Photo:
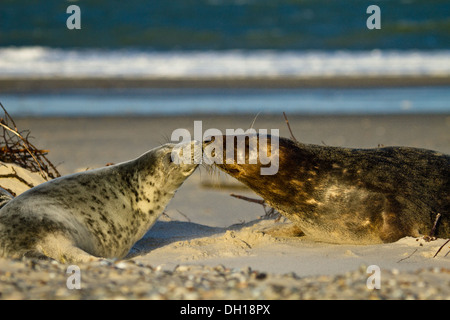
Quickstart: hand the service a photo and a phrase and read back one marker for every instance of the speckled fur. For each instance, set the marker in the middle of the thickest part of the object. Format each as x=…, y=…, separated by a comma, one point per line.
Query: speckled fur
x=97, y=213
x=360, y=196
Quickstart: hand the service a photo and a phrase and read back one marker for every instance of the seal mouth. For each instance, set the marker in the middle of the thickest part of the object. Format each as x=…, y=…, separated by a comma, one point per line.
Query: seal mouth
x=186, y=154
x=242, y=154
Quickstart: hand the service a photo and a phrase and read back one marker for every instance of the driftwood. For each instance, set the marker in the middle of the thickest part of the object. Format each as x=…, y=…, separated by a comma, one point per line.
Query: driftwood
x=16, y=148
x=270, y=213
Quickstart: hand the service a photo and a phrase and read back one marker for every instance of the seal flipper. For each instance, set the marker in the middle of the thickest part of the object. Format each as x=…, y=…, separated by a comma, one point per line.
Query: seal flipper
x=62, y=250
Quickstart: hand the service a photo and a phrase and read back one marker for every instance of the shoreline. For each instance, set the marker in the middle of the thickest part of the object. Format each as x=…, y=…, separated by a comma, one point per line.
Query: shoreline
x=32, y=84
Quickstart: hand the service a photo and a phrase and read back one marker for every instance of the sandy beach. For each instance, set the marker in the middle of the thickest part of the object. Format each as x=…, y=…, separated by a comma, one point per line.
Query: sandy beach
x=52, y=84
x=209, y=245
x=91, y=84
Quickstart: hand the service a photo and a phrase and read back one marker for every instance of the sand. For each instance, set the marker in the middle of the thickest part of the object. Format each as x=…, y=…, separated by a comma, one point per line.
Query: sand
x=209, y=245
x=27, y=84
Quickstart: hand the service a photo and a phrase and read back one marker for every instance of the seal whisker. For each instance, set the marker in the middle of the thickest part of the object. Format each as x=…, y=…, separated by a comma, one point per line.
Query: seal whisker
x=254, y=120
x=289, y=126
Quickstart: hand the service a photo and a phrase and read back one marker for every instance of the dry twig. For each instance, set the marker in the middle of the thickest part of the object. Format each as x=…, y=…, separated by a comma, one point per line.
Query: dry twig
x=258, y=201
x=407, y=256
x=440, y=248
x=16, y=148
x=185, y=216
x=271, y=213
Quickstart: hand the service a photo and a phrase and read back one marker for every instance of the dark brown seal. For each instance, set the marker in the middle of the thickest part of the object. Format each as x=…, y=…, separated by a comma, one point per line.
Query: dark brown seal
x=361, y=196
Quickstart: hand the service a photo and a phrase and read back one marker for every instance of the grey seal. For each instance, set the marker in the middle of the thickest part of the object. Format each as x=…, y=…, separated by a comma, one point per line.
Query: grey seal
x=348, y=195
x=94, y=214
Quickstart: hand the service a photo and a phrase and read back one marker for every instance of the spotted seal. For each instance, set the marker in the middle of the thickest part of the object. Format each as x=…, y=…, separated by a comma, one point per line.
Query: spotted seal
x=96, y=213
x=359, y=196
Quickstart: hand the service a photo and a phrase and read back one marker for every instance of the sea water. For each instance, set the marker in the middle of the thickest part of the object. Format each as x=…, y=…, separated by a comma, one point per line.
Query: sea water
x=224, y=38
x=41, y=62
x=229, y=101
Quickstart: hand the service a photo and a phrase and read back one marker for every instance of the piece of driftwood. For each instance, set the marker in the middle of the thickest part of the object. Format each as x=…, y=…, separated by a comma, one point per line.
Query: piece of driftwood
x=16, y=148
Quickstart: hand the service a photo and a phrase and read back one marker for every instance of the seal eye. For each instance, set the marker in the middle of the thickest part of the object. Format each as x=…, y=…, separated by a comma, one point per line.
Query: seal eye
x=169, y=158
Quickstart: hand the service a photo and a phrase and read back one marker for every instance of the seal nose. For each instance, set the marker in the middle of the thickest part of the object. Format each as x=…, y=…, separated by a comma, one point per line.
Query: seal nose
x=186, y=153
x=196, y=151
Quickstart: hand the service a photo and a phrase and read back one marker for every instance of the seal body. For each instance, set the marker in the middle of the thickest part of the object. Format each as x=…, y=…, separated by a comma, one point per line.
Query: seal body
x=97, y=213
x=360, y=196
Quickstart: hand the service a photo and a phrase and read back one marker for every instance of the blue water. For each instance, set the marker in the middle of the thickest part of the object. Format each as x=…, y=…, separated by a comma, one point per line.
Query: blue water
x=230, y=101
x=168, y=26
x=227, y=24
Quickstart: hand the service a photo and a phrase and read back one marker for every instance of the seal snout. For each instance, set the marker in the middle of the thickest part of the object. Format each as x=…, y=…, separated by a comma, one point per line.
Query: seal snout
x=243, y=154
x=185, y=157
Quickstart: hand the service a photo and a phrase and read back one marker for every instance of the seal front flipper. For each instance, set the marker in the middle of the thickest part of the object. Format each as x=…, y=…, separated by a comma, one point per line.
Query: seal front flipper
x=63, y=250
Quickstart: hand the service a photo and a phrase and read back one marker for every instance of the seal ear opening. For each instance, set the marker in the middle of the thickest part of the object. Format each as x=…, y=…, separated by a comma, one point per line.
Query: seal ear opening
x=208, y=140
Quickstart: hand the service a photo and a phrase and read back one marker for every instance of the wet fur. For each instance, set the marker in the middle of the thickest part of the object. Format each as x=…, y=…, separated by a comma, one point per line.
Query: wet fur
x=361, y=196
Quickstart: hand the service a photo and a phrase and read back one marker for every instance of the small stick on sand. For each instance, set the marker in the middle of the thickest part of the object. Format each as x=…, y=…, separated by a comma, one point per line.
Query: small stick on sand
x=441, y=248
x=407, y=256
x=258, y=201
x=268, y=214
x=16, y=176
x=185, y=216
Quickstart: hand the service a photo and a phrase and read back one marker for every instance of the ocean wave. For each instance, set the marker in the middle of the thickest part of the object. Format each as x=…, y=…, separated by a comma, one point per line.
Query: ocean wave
x=39, y=61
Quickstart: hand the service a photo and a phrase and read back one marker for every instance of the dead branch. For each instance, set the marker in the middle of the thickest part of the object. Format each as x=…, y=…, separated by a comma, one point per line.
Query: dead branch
x=441, y=247
x=407, y=256
x=271, y=213
x=25, y=146
x=16, y=148
x=185, y=216
x=15, y=176
x=258, y=201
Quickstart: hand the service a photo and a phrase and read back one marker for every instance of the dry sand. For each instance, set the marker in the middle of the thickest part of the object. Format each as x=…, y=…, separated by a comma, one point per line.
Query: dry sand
x=213, y=246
